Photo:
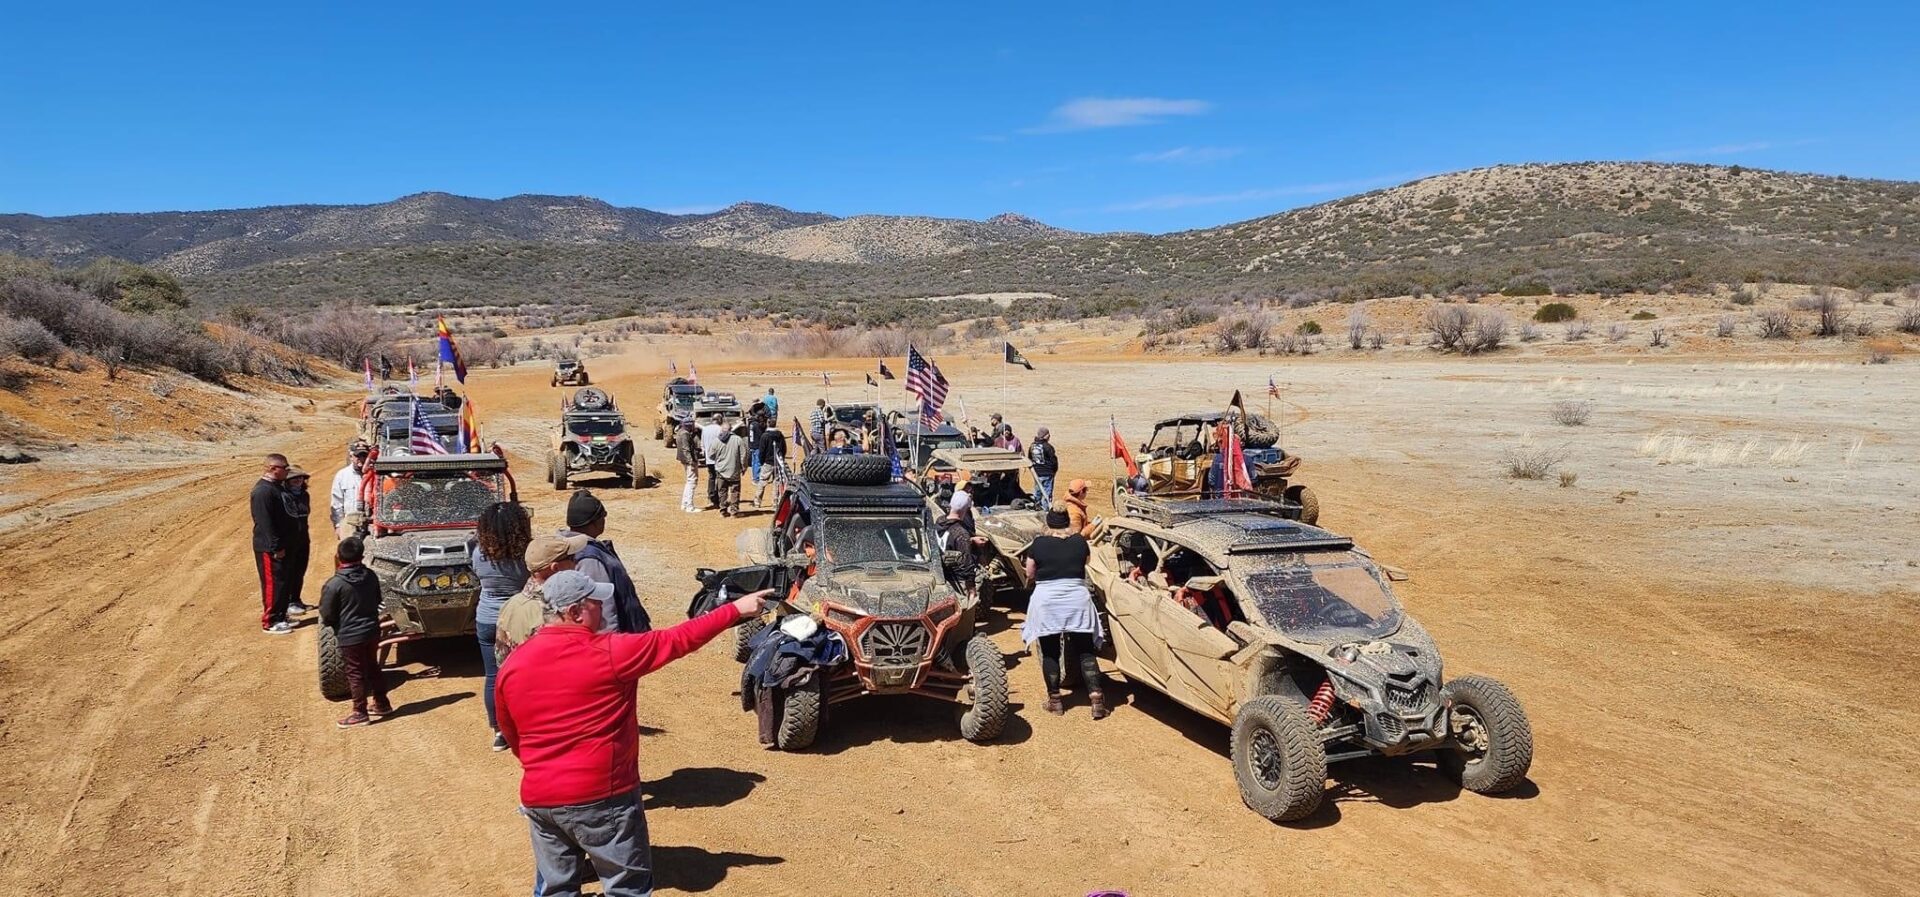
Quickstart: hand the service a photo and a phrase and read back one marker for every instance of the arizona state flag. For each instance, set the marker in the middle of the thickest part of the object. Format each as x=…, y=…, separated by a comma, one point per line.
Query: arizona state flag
x=469, y=438
x=1014, y=357
x=448, y=353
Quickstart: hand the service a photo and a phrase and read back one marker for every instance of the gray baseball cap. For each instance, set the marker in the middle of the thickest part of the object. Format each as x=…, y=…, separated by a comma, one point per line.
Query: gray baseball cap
x=570, y=587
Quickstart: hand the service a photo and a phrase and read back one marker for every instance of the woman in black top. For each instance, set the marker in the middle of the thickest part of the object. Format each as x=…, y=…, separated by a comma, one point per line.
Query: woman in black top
x=1061, y=615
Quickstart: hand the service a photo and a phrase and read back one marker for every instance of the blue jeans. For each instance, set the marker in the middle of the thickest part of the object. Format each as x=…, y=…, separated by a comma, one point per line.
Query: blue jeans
x=1043, y=490
x=606, y=839
x=485, y=632
x=756, y=465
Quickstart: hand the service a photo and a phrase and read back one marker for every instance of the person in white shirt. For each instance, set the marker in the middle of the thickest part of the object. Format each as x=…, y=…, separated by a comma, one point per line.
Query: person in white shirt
x=711, y=436
x=345, y=494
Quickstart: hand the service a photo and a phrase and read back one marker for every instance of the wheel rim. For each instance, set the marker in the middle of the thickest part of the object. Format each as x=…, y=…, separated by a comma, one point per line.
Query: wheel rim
x=1268, y=767
x=1470, y=735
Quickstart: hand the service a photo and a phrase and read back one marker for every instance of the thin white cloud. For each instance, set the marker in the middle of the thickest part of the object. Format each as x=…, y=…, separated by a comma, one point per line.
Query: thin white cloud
x=1087, y=113
x=1186, y=200
x=693, y=210
x=1729, y=149
x=1190, y=155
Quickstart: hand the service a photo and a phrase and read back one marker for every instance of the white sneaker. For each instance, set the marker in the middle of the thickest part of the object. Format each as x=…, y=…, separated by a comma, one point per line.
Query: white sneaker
x=690, y=510
x=281, y=628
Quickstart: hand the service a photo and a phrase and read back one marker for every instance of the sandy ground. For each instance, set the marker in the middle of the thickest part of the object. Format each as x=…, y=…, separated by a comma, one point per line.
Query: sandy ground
x=1700, y=634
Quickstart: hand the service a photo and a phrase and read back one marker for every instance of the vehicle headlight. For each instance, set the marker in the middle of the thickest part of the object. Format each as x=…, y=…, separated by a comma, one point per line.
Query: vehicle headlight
x=444, y=581
x=466, y=580
x=844, y=617
x=942, y=611
x=425, y=582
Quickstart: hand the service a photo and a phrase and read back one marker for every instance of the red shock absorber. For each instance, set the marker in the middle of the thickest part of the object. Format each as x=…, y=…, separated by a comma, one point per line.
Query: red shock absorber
x=1322, y=703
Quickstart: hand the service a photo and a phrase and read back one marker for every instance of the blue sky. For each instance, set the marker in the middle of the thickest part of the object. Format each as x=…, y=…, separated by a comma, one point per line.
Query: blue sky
x=1095, y=116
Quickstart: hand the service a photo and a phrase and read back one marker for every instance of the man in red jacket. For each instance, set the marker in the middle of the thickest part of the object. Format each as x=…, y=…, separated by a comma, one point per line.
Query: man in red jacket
x=565, y=703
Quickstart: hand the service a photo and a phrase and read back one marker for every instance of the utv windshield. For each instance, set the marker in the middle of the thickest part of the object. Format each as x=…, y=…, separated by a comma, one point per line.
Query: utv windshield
x=1169, y=438
x=1325, y=600
x=435, y=499
x=596, y=426
x=877, y=540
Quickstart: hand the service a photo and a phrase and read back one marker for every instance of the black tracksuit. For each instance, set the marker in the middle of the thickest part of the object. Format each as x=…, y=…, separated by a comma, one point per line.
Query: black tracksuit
x=299, y=542
x=272, y=529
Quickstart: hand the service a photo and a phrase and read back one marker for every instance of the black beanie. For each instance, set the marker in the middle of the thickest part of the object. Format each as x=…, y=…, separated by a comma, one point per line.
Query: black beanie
x=1058, y=520
x=583, y=509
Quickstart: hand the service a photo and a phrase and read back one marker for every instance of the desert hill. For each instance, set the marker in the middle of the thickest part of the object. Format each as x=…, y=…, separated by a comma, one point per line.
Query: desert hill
x=204, y=243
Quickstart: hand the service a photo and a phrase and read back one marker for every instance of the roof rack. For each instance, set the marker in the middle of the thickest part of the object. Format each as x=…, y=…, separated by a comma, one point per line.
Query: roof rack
x=1173, y=510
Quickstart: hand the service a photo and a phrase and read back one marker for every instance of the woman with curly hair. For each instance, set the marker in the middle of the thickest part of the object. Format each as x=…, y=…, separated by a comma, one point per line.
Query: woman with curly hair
x=498, y=550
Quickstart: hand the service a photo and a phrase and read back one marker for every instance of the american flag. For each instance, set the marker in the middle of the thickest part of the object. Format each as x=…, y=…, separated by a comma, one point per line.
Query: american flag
x=693, y=376
x=422, y=440
x=1273, y=389
x=925, y=380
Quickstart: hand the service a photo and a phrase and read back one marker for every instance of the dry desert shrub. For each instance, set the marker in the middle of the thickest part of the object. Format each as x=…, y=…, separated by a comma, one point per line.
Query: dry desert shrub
x=1909, y=320
x=1530, y=462
x=1568, y=478
x=1659, y=338
x=1244, y=330
x=1616, y=333
x=1572, y=413
x=1775, y=323
x=1356, y=327
x=1725, y=328
x=1578, y=330
x=1467, y=329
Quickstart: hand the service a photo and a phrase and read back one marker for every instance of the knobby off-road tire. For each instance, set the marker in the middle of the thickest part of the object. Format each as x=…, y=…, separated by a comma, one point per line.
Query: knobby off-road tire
x=848, y=470
x=1278, y=760
x=983, y=721
x=333, y=667
x=637, y=472
x=1261, y=432
x=1309, y=504
x=742, y=635
x=557, y=471
x=1500, y=764
x=800, y=713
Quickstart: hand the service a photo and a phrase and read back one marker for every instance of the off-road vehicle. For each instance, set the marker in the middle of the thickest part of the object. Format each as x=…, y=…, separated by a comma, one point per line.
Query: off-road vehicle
x=1003, y=511
x=393, y=431
x=1181, y=457
x=423, y=512
x=868, y=567
x=917, y=442
x=676, y=407
x=722, y=405
x=592, y=436
x=570, y=372
x=1291, y=635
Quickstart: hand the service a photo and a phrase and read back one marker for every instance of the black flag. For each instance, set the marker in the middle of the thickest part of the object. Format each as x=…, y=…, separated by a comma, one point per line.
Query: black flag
x=1014, y=357
x=871, y=381
x=884, y=373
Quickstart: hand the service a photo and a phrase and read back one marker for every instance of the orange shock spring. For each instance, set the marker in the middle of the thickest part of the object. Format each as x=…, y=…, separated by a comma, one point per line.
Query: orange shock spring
x=1322, y=703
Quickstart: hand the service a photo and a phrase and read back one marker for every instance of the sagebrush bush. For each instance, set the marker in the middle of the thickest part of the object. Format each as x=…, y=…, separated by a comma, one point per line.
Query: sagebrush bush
x=1554, y=313
x=1530, y=462
x=1644, y=315
x=1170, y=320
x=1775, y=323
x=1571, y=413
x=1308, y=328
x=1244, y=330
x=29, y=339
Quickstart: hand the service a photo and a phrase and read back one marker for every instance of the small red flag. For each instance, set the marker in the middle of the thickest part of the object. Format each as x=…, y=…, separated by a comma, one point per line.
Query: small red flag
x=1121, y=451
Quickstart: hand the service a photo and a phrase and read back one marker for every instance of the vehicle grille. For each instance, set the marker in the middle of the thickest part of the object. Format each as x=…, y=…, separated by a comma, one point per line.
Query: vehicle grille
x=1401, y=701
x=1391, y=729
x=895, y=644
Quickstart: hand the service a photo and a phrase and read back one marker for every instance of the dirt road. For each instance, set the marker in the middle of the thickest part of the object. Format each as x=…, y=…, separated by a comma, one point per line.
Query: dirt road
x=1707, y=722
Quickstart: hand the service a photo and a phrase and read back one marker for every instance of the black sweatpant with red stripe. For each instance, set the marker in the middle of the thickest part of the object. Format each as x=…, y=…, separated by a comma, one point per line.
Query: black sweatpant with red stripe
x=275, y=587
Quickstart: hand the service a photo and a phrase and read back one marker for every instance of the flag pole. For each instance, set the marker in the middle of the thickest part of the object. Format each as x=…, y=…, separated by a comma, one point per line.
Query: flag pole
x=1003, y=375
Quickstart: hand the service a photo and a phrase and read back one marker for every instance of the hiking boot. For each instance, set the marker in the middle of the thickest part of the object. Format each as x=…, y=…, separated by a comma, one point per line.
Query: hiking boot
x=281, y=628
x=1055, y=706
x=499, y=742
x=354, y=720
x=1099, y=702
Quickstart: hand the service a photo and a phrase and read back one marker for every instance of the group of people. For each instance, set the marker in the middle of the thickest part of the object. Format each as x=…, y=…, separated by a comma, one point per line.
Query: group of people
x=563, y=636
x=752, y=446
x=281, y=542
x=563, y=640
